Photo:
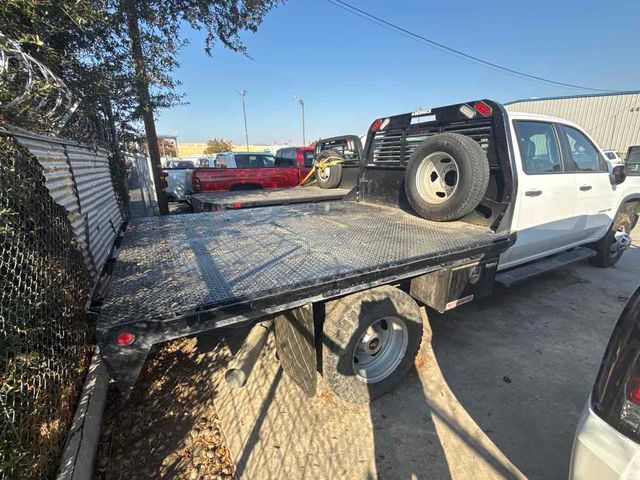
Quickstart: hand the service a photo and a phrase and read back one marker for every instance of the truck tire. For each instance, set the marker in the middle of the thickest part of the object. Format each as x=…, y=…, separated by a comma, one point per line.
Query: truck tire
x=607, y=252
x=370, y=340
x=329, y=177
x=446, y=177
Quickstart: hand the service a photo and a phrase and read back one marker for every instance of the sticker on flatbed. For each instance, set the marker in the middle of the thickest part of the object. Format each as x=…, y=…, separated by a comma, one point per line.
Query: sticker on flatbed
x=457, y=303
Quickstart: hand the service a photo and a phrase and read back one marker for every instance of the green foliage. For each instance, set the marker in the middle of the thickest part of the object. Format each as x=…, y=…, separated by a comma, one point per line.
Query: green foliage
x=218, y=145
x=87, y=44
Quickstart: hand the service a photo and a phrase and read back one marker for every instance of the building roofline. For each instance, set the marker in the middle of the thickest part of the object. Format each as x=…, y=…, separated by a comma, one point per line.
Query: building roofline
x=540, y=99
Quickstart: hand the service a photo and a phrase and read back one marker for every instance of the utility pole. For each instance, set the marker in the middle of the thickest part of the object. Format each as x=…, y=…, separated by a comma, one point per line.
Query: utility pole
x=304, y=140
x=144, y=98
x=244, y=113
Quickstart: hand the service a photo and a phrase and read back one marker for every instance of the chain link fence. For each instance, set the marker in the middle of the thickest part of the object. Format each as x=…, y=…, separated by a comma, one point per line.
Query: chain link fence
x=44, y=338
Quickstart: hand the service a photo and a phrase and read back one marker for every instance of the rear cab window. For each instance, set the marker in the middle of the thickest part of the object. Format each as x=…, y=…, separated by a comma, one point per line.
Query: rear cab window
x=539, y=147
x=308, y=158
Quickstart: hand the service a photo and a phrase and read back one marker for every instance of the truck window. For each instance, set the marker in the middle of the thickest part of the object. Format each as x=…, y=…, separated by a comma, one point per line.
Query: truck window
x=308, y=158
x=538, y=147
x=633, y=160
x=584, y=157
x=254, y=161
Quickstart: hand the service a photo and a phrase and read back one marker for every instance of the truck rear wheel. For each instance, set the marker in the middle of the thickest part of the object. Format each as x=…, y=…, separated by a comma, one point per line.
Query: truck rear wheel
x=446, y=177
x=612, y=246
x=370, y=340
x=329, y=177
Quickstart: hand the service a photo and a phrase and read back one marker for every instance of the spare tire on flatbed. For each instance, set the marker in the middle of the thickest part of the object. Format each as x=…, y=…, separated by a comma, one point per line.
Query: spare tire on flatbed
x=329, y=177
x=446, y=177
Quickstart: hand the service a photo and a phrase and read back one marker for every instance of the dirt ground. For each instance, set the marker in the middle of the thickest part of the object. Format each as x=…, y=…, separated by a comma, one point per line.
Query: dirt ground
x=496, y=392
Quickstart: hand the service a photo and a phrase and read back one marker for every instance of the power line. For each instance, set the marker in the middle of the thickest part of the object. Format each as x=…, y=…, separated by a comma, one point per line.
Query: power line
x=457, y=53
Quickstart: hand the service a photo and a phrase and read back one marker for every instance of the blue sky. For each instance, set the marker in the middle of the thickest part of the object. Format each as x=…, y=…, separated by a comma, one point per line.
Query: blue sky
x=350, y=71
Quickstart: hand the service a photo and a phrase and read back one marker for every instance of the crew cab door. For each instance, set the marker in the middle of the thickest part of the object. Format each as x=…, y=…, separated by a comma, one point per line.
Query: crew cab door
x=544, y=216
x=596, y=199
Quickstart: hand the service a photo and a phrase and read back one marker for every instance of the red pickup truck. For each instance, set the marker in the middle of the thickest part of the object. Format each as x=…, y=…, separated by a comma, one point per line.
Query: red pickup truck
x=254, y=171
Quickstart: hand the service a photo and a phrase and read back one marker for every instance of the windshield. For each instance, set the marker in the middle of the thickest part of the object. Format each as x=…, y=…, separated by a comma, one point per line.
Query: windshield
x=248, y=160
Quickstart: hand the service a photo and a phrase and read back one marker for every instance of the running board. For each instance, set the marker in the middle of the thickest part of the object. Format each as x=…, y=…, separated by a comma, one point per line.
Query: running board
x=525, y=272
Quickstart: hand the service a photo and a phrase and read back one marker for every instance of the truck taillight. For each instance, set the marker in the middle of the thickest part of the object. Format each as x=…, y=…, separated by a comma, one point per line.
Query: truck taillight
x=483, y=109
x=125, y=338
x=616, y=394
x=376, y=125
x=195, y=181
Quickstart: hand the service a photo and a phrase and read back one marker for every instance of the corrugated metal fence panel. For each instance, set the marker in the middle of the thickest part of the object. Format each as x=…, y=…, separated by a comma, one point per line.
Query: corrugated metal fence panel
x=612, y=120
x=79, y=179
x=98, y=202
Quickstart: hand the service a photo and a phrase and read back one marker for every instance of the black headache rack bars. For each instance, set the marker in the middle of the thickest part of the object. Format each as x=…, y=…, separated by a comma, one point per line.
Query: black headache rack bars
x=392, y=140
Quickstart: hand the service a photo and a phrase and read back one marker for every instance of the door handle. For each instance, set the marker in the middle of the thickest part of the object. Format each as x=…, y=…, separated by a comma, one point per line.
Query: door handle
x=533, y=193
x=585, y=188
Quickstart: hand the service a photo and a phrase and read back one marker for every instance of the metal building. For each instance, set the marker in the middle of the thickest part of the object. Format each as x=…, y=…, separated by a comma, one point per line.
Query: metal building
x=612, y=119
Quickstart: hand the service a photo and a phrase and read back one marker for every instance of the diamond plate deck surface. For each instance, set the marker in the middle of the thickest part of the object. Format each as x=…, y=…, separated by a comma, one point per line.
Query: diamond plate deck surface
x=270, y=196
x=177, y=263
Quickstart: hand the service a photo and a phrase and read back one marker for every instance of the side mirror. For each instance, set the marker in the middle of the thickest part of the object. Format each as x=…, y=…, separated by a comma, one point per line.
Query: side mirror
x=617, y=175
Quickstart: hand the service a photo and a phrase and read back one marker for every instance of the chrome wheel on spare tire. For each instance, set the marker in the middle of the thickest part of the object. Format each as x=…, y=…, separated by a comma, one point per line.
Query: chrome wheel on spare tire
x=437, y=177
x=446, y=177
x=370, y=340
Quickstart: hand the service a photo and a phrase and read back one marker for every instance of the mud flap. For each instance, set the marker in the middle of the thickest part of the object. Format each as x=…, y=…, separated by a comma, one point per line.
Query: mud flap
x=124, y=364
x=295, y=341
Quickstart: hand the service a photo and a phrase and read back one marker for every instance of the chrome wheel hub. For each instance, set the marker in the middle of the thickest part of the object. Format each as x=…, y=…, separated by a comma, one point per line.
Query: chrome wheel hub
x=437, y=177
x=622, y=241
x=380, y=349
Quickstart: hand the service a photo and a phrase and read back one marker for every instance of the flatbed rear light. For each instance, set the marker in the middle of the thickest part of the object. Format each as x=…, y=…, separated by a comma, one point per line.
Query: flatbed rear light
x=125, y=338
x=483, y=109
x=467, y=111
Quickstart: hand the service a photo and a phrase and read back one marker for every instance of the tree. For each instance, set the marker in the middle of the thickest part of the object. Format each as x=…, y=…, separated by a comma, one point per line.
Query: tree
x=218, y=145
x=125, y=51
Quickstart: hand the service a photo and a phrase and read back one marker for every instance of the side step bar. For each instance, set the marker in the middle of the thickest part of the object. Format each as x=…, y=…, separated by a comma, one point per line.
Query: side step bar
x=525, y=272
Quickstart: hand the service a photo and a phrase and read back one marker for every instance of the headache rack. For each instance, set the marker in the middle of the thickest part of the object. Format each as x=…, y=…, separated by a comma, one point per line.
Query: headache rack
x=392, y=141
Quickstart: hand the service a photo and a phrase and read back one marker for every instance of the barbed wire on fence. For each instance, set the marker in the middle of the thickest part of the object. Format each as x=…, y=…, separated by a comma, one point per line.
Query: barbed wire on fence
x=28, y=85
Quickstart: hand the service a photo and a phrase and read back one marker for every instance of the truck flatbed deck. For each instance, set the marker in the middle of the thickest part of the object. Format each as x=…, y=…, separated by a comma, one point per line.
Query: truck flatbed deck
x=177, y=266
x=214, y=201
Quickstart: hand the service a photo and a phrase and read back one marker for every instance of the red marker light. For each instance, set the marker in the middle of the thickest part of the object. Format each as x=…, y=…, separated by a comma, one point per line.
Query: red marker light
x=237, y=205
x=376, y=125
x=634, y=395
x=125, y=338
x=483, y=109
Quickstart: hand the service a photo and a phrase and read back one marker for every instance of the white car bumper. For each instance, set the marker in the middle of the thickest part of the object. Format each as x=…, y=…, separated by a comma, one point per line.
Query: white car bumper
x=600, y=452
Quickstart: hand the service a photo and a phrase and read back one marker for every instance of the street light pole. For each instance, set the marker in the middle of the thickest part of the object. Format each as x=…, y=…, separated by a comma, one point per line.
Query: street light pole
x=304, y=140
x=244, y=113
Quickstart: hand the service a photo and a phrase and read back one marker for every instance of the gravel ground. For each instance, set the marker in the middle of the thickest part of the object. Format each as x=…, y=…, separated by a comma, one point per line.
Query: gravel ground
x=169, y=427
